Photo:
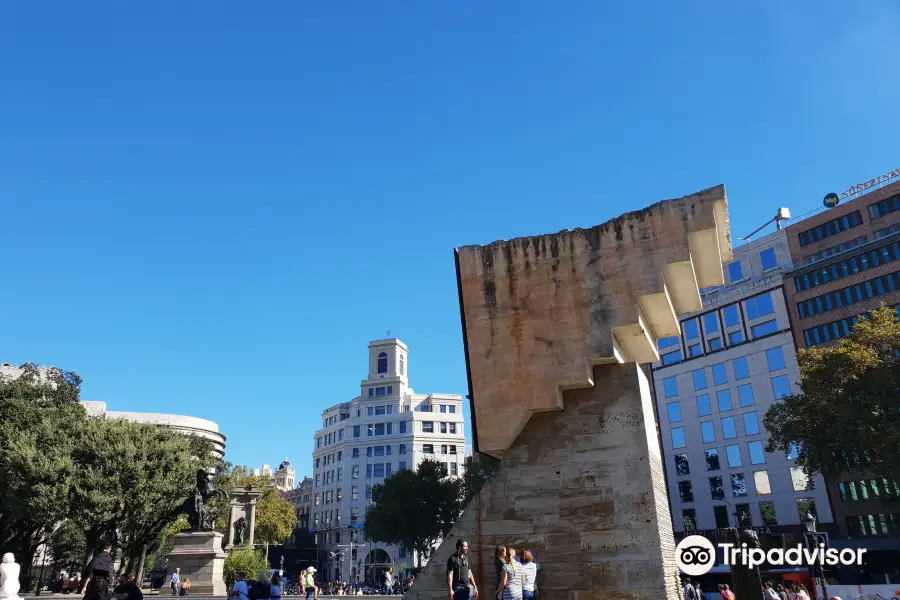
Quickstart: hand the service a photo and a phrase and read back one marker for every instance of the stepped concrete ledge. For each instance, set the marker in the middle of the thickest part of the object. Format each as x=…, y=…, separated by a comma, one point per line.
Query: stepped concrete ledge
x=555, y=328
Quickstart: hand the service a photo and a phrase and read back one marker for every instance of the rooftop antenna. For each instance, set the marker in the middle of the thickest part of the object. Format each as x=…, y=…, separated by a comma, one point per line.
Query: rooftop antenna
x=783, y=214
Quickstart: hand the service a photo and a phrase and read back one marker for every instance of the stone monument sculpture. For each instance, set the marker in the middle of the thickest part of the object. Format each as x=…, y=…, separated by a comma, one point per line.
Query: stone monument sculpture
x=242, y=517
x=9, y=577
x=744, y=580
x=555, y=330
x=198, y=550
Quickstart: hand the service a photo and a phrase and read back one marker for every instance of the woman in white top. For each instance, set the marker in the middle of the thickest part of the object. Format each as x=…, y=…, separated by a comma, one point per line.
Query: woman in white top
x=529, y=570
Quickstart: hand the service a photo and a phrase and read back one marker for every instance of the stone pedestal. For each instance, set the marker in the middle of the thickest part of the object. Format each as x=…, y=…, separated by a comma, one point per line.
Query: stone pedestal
x=200, y=557
x=243, y=504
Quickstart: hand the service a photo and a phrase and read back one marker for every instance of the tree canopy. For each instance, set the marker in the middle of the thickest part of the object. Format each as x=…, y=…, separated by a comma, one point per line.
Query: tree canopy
x=415, y=508
x=847, y=415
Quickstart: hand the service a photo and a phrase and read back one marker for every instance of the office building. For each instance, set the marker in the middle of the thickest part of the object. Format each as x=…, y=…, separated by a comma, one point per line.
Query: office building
x=713, y=386
x=387, y=428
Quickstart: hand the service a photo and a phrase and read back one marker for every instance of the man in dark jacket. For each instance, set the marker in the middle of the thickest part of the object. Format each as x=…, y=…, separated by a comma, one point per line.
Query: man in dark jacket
x=97, y=575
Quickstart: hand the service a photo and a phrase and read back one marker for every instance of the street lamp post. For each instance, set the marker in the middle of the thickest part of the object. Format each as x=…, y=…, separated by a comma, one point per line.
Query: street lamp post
x=813, y=540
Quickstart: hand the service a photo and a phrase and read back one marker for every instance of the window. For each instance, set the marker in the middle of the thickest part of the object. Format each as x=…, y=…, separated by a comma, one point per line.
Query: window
x=720, y=376
x=689, y=516
x=761, y=481
x=402, y=466
x=848, y=266
x=340, y=491
x=757, y=456
x=379, y=391
x=723, y=399
x=427, y=426
x=744, y=518
x=402, y=449
x=671, y=357
x=685, y=491
x=712, y=460
x=318, y=480
x=368, y=492
x=830, y=228
x=781, y=386
x=775, y=358
x=674, y=409
x=707, y=432
x=423, y=408
x=690, y=329
x=695, y=350
x=681, y=464
x=735, y=338
x=678, y=437
x=806, y=505
x=735, y=273
x=368, y=471
x=740, y=368
x=340, y=435
x=716, y=488
x=703, y=408
x=319, y=442
x=699, y=379
x=402, y=366
x=762, y=329
x=356, y=431
x=382, y=362
x=452, y=409
x=340, y=475
x=379, y=451
x=402, y=426
x=733, y=455
x=443, y=408
x=317, y=463
x=799, y=480
x=667, y=342
x=884, y=207
x=379, y=469
x=731, y=316
x=715, y=344
x=710, y=323
x=745, y=394
x=728, y=430
x=767, y=259
x=371, y=393
x=354, y=492
x=354, y=472
x=452, y=427
x=318, y=499
x=452, y=448
x=738, y=485
x=453, y=469
x=356, y=453
x=671, y=387
x=443, y=448
x=427, y=448
x=751, y=423
x=443, y=427
x=721, y=514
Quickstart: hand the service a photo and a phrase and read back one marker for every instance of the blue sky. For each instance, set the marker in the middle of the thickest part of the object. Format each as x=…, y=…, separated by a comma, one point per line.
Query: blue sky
x=211, y=208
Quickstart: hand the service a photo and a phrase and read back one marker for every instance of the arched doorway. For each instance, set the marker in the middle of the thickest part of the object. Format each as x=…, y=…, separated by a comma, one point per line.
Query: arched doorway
x=376, y=562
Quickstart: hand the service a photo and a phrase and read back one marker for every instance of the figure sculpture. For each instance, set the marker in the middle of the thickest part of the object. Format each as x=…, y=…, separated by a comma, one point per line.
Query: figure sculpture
x=239, y=527
x=197, y=506
x=9, y=577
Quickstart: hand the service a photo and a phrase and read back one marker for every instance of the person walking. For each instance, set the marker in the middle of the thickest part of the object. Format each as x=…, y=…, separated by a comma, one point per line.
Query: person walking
x=310, y=584
x=529, y=571
x=690, y=592
x=127, y=590
x=241, y=589
x=460, y=581
x=275, y=586
x=513, y=577
x=97, y=575
x=727, y=594
x=389, y=581
x=176, y=581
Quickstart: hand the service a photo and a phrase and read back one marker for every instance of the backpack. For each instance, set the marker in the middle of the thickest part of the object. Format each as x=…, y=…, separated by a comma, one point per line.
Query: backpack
x=259, y=591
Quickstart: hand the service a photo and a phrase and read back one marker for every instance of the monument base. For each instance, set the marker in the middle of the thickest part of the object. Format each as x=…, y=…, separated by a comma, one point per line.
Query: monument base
x=201, y=559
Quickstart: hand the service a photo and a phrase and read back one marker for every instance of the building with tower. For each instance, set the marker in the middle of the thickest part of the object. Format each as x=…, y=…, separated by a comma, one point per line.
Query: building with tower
x=387, y=428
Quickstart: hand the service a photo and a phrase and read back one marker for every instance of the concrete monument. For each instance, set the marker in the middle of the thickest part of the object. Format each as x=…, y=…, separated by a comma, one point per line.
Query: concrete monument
x=552, y=327
x=9, y=578
x=242, y=517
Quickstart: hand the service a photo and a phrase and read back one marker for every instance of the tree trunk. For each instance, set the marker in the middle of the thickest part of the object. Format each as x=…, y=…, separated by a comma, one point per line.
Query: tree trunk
x=139, y=576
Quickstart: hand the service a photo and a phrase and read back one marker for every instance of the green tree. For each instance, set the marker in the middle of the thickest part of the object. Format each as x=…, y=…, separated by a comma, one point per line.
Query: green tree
x=68, y=546
x=250, y=561
x=275, y=518
x=228, y=479
x=415, y=508
x=846, y=417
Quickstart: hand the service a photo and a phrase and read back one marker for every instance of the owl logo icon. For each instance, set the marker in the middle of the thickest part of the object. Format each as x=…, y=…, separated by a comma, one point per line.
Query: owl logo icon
x=695, y=555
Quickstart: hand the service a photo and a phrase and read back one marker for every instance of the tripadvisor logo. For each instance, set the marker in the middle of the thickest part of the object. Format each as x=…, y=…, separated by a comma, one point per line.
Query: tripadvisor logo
x=696, y=555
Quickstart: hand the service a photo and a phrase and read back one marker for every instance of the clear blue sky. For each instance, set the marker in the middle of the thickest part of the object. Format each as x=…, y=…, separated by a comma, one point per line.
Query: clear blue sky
x=210, y=208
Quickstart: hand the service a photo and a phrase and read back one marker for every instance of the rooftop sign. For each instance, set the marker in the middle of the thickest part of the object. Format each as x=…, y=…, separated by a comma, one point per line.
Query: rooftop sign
x=872, y=183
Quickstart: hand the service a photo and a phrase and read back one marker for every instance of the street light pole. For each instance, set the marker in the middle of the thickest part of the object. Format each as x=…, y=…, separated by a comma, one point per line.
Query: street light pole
x=813, y=537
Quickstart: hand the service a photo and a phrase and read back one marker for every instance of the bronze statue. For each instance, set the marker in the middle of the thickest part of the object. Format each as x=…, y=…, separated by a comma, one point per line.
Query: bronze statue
x=197, y=505
x=239, y=527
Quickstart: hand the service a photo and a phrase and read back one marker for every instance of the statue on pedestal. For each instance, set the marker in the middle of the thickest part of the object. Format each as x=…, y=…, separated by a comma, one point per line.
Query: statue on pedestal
x=9, y=577
x=239, y=527
x=196, y=505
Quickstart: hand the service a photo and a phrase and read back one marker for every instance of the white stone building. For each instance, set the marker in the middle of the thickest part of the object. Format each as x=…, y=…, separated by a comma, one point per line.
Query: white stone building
x=282, y=478
x=387, y=428
x=713, y=386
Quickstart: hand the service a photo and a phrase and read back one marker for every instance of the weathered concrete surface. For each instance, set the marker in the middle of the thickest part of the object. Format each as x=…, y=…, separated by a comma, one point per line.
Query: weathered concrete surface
x=584, y=489
x=540, y=311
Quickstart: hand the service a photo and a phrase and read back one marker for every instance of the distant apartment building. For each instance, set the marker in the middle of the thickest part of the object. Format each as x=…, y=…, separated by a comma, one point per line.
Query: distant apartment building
x=847, y=262
x=301, y=499
x=713, y=386
x=387, y=428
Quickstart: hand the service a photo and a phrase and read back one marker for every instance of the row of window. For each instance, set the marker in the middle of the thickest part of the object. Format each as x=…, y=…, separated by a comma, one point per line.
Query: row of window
x=867, y=489
x=381, y=391
x=830, y=228
x=381, y=451
x=774, y=360
x=885, y=231
x=834, y=330
x=816, y=256
x=884, y=207
x=873, y=525
x=683, y=467
x=847, y=267
x=744, y=514
x=849, y=295
x=767, y=259
x=330, y=438
x=800, y=483
x=707, y=431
